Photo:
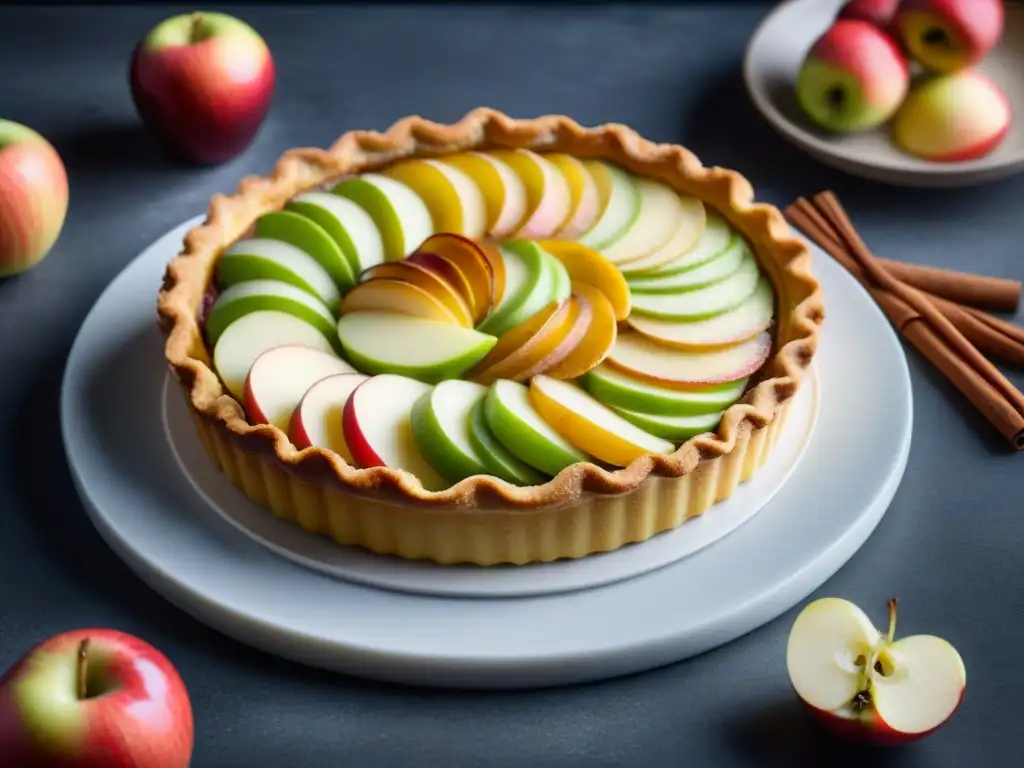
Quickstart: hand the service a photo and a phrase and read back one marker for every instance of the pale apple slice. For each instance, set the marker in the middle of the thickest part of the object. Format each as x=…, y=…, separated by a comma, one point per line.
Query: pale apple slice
x=470, y=259
x=717, y=236
x=677, y=429
x=455, y=202
x=385, y=342
x=621, y=390
x=498, y=460
x=619, y=203
x=504, y=192
x=585, y=265
x=400, y=214
x=529, y=286
x=704, y=302
x=706, y=274
x=691, y=229
x=668, y=366
x=317, y=420
x=523, y=431
x=661, y=215
x=351, y=227
x=385, y=294
x=265, y=259
x=563, y=283
x=430, y=281
x=440, y=426
x=598, y=336
x=378, y=429
x=548, y=199
x=253, y=295
x=585, y=202
x=750, y=318
x=309, y=237
x=280, y=377
x=253, y=334
x=590, y=425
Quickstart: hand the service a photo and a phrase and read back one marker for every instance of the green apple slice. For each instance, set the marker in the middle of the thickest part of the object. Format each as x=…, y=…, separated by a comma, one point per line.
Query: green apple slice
x=255, y=295
x=401, y=216
x=416, y=347
x=719, y=268
x=563, y=283
x=530, y=285
x=349, y=225
x=629, y=393
x=308, y=236
x=703, y=302
x=516, y=423
x=251, y=335
x=678, y=429
x=620, y=203
x=661, y=216
x=265, y=259
x=440, y=426
x=717, y=236
x=498, y=460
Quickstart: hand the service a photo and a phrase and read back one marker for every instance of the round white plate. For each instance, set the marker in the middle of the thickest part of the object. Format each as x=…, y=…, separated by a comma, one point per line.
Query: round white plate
x=773, y=58
x=139, y=500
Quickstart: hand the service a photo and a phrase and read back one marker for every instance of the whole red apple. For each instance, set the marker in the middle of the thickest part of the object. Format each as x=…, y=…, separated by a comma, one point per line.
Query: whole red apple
x=94, y=698
x=878, y=12
x=950, y=35
x=33, y=197
x=203, y=82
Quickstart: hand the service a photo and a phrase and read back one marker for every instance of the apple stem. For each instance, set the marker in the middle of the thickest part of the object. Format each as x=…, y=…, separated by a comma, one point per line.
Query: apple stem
x=893, y=603
x=83, y=669
x=195, y=33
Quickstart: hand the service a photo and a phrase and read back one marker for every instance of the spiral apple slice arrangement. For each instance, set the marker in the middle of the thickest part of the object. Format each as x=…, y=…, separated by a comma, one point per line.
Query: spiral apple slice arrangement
x=505, y=313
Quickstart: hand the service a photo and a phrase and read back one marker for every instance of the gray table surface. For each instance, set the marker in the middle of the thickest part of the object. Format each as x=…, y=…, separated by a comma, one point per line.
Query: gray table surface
x=950, y=545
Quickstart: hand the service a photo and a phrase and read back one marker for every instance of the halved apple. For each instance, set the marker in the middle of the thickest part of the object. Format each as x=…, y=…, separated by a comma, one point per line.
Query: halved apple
x=598, y=336
x=529, y=286
x=440, y=426
x=455, y=202
x=585, y=202
x=661, y=216
x=418, y=275
x=350, y=226
x=317, y=420
x=385, y=342
x=669, y=366
x=253, y=334
x=590, y=425
x=718, y=235
x=504, y=192
x=619, y=203
x=706, y=274
x=469, y=259
x=265, y=259
x=513, y=419
x=400, y=214
x=585, y=265
x=743, y=322
x=498, y=460
x=253, y=295
x=378, y=429
x=385, y=294
x=280, y=377
x=309, y=237
x=548, y=199
x=694, y=222
x=677, y=429
x=625, y=391
x=702, y=302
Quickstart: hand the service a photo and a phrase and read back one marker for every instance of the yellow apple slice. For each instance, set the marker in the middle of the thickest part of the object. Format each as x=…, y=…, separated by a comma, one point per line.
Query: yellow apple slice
x=455, y=202
x=582, y=315
x=386, y=294
x=695, y=222
x=586, y=265
x=619, y=203
x=590, y=425
x=503, y=190
x=497, y=262
x=598, y=340
x=661, y=216
x=547, y=192
x=429, y=281
x=527, y=343
x=669, y=366
x=585, y=202
x=471, y=261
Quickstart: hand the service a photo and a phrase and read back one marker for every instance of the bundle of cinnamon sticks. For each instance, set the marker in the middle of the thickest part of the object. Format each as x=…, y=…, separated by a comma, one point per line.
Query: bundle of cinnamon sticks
x=940, y=312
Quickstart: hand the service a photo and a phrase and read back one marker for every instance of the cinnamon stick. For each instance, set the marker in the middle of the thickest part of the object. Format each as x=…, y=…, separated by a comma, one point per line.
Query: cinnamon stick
x=995, y=293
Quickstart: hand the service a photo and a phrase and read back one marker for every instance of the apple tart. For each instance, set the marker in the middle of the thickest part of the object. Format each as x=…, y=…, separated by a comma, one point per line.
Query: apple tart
x=497, y=341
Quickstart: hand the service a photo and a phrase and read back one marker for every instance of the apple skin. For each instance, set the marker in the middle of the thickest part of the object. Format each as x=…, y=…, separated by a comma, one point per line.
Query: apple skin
x=141, y=717
x=203, y=83
x=950, y=35
x=853, y=78
x=33, y=197
x=881, y=13
x=953, y=118
x=867, y=727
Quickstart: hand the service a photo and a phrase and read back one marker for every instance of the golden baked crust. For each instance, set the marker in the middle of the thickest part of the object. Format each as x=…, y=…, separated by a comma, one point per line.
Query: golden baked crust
x=785, y=258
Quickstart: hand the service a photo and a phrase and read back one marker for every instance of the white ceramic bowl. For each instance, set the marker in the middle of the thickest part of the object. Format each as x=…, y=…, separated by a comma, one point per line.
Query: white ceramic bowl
x=774, y=56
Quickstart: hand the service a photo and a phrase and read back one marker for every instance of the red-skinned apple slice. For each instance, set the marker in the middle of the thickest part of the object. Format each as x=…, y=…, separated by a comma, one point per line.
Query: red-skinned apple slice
x=385, y=294
x=280, y=377
x=668, y=366
x=429, y=281
x=378, y=428
x=317, y=421
x=470, y=260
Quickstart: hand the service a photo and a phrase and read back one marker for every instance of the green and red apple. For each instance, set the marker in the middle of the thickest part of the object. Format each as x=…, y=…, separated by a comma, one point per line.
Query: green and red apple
x=33, y=197
x=881, y=13
x=950, y=35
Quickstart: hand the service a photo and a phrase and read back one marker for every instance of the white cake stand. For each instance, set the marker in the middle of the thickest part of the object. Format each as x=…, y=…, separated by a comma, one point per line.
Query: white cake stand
x=177, y=524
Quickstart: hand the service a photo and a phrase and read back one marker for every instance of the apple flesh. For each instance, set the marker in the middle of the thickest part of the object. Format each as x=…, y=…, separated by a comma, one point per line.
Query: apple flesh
x=440, y=426
x=950, y=35
x=713, y=237
x=317, y=421
x=687, y=305
x=33, y=197
x=203, y=83
x=95, y=698
x=866, y=686
x=671, y=367
x=401, y=216
x=254, y=295
x=660, y=216
x=854, y=78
